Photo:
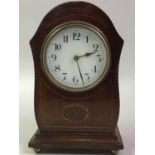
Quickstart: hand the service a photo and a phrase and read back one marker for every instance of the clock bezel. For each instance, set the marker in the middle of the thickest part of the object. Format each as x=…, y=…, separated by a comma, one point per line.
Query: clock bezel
x=56, y=30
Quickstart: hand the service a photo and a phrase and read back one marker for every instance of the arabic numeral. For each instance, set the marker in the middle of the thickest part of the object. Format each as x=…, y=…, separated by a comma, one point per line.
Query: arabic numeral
x=76, y=36
x=99, y=58
x=96, y=46
x=54, y=57
x=87, y=76
x=57, y=68
x=57, y=47
x=65, y=39
x=64, y=76
x=75, y=80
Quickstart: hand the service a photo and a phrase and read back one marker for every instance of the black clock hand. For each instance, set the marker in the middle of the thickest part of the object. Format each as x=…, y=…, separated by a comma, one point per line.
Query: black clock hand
x=76, y=58
x=87, y=54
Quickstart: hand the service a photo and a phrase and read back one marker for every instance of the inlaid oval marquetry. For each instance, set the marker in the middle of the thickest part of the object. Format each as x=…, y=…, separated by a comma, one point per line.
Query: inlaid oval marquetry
x=75, y=113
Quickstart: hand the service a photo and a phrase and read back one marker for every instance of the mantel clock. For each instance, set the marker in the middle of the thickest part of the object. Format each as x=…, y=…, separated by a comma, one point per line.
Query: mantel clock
x=76, y=52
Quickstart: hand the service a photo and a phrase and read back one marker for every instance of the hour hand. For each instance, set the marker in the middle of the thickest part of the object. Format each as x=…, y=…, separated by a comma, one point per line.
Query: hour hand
x=87, y=54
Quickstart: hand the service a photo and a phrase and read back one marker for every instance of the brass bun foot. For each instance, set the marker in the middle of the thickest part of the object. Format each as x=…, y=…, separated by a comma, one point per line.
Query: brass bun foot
x=114, y=151
x=37, y=150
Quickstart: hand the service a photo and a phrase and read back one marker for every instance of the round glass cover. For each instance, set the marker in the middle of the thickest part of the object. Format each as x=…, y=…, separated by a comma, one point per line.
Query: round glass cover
x=75, y=56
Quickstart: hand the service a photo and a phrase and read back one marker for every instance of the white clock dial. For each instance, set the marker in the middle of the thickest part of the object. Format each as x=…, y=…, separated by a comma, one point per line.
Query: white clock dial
x=76, y=57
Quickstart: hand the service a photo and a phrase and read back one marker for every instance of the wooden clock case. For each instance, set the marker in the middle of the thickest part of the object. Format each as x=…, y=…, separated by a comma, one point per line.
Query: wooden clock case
x=77, y=121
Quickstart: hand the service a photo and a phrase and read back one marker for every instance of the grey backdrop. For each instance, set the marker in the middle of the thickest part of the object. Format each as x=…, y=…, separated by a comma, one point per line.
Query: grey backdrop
x=122, y=15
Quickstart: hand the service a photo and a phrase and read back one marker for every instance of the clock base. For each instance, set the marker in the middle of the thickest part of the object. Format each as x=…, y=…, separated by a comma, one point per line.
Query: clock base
x=76, y=142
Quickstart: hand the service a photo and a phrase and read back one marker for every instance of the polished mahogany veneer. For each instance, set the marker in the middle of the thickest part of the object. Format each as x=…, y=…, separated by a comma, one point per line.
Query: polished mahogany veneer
x=82, y=120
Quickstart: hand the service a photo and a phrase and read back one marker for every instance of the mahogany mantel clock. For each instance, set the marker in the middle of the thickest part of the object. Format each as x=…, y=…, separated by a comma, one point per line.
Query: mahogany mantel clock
x=76, y=52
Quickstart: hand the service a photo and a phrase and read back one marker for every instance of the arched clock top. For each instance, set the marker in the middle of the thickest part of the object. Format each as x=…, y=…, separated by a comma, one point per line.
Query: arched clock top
x=78, y=12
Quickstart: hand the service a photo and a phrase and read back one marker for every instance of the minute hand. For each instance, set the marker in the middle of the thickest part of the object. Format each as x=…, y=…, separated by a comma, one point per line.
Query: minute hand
x=80, y=71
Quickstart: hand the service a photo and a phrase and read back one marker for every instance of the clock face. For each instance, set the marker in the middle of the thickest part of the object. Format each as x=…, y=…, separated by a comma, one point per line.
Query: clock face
x=76, y=57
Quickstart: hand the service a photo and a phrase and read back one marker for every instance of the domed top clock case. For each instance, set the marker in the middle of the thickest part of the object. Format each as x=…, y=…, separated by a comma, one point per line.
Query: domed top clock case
x=76, y=52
